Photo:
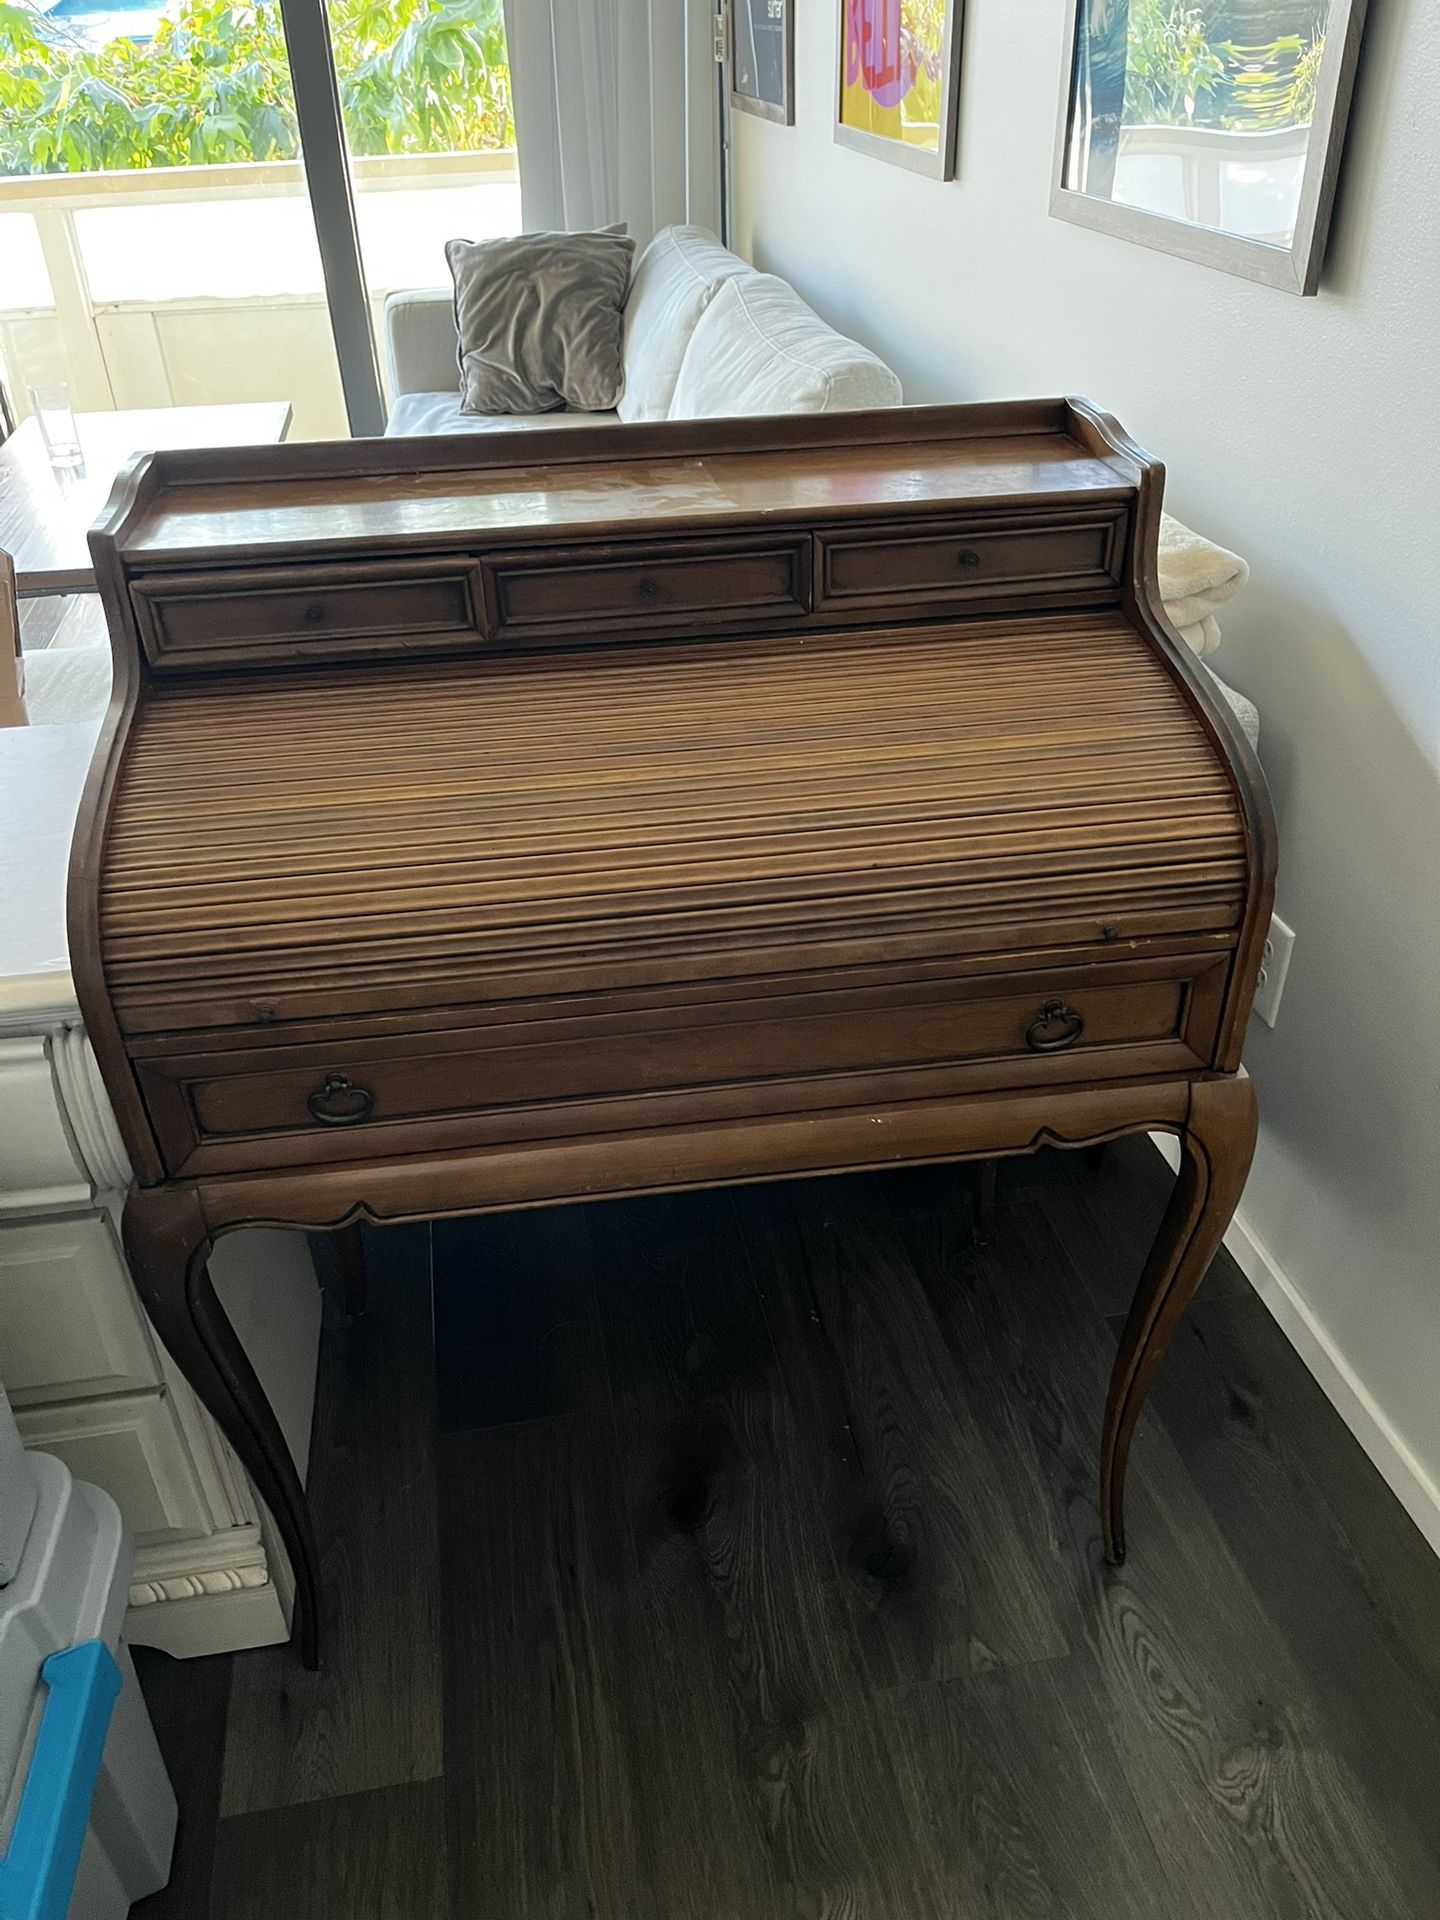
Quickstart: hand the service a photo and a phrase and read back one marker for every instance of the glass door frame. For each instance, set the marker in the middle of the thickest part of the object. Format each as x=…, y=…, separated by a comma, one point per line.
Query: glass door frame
x=326, y=160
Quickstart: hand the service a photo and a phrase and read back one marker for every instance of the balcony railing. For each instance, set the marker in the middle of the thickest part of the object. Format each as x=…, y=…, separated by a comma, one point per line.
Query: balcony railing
x=186, y=285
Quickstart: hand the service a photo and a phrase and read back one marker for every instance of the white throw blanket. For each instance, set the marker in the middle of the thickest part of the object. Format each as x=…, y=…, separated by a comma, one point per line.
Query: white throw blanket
x=1245, y=710
x=1196, y=577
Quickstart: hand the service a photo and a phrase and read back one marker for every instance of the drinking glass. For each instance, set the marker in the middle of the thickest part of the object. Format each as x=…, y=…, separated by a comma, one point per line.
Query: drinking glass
x=51, y=407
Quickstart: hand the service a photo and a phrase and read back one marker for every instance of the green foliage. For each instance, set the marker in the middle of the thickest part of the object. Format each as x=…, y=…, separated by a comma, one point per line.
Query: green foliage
x=423, y=76
x=1304, y=80
x=1169, y=65
x=1274, y=85
x=213, y=86
x=1176, y=76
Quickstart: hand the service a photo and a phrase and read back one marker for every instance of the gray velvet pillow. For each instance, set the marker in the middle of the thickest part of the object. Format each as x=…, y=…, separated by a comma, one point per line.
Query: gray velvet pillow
x=540, y=320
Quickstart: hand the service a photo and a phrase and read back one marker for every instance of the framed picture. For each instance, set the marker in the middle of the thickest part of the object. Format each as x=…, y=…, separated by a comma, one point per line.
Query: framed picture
x=1217, y=144
x=762, y=58
x=898, y=82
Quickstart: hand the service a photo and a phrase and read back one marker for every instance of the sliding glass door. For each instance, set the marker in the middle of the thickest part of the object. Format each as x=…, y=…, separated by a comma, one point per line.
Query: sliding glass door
x=425, y=104
x=208, y=202
x=425, y=112
x=156, y=242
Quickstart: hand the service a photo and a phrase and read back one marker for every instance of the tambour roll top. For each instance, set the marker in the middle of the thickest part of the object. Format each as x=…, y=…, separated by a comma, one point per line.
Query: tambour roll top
x=684, y=762
x=488, y=831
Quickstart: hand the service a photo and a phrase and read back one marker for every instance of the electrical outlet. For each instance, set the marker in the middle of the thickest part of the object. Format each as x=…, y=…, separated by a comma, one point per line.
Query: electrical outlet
x=1274, y=965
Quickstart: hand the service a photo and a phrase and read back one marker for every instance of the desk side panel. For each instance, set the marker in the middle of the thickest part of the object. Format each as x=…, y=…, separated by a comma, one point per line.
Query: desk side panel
x=87, y=852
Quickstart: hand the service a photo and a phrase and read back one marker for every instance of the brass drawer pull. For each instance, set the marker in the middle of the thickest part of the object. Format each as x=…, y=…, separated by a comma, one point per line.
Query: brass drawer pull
x=967, y=557
x=339, y=1102
x=1054, y=1014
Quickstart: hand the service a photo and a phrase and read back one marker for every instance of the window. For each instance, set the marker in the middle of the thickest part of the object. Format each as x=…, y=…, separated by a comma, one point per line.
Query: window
x=153, y=176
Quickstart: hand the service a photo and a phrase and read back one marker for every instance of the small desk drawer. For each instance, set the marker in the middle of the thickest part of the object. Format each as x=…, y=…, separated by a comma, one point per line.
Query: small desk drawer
x=1019, y=558
x=189, y=619
x=676, y=588
x=411, y=1092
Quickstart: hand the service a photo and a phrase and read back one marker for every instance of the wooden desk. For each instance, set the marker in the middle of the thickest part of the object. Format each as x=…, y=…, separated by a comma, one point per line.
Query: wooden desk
x=46, y=512
x=485, y=824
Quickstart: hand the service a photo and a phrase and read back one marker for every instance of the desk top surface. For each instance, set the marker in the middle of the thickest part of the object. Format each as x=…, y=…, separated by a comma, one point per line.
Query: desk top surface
x=445, y=491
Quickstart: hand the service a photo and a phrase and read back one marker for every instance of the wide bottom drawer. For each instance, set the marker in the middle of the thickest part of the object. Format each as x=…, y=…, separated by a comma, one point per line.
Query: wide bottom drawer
x=277, y=1105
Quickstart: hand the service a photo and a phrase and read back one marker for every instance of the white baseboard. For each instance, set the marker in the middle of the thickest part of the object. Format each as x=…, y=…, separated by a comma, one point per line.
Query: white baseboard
x=210, y=1623
x=213, y=1595
x=1406, y=1478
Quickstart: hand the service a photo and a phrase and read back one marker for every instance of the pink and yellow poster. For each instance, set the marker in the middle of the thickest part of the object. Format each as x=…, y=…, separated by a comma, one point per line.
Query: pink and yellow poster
x=893, y=69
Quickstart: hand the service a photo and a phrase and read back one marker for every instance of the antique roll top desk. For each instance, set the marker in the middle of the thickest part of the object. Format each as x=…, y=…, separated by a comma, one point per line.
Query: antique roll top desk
x=496, y=821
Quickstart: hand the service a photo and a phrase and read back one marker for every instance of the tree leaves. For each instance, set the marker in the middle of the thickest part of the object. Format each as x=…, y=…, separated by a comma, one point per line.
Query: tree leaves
x=213, y=85
x=1175, y=75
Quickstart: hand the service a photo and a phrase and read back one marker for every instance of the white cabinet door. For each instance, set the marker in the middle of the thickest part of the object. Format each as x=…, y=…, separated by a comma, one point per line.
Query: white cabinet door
x=70, y=1325
x=39, y=1164
x=131, y=1446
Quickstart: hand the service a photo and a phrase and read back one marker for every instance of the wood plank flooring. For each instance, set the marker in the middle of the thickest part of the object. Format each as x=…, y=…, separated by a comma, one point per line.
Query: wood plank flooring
x=372, y=1718
x=736, y=1556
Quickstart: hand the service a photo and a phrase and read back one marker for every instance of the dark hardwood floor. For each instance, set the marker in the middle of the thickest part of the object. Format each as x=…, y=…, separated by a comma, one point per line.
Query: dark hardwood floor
x=735, y=1556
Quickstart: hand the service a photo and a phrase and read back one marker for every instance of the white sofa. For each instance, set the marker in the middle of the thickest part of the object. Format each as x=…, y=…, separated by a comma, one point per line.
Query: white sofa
x=705, y=335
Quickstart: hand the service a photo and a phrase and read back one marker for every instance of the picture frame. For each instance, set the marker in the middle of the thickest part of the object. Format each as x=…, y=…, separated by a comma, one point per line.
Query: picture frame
x=761, y=57
x=908, y=114
x=1309, y=168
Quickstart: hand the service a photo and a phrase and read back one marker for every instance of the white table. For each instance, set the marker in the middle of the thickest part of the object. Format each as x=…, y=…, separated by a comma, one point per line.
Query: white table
x=46, y=513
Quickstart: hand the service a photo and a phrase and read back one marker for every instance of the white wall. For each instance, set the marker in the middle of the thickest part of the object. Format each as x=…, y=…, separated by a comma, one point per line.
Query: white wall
x=1304, y=433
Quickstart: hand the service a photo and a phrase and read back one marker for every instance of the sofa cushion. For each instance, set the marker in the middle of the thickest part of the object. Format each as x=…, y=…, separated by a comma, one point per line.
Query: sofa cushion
x=758, y=348
x=539, y=319
x=676, y=278
x=415, y=413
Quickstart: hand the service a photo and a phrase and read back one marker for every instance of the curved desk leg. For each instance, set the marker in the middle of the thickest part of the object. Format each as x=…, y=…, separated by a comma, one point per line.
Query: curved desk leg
x=1216, y=1148
x=168, y=1245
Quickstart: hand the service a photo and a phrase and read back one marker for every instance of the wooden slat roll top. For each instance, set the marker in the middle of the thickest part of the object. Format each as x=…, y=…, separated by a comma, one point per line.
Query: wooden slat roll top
x=494, y=831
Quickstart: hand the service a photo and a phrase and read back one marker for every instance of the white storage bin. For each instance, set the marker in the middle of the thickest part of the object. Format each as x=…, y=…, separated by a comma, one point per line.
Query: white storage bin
x=71, y=1588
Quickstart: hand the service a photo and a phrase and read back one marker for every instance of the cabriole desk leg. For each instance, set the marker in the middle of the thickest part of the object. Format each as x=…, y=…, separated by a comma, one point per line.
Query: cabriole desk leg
x=168, y=1245
x=1216, y=1145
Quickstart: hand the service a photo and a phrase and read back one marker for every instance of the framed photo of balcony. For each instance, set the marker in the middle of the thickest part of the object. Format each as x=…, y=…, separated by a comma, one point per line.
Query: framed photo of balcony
x=1215, y=135
x=762, y=58
x=898, y=79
